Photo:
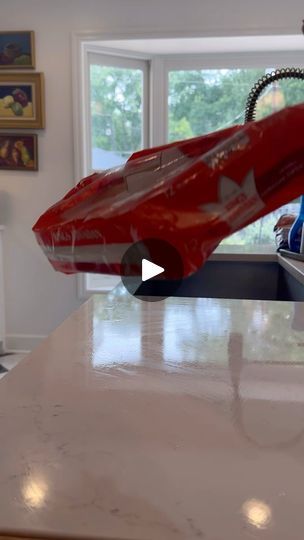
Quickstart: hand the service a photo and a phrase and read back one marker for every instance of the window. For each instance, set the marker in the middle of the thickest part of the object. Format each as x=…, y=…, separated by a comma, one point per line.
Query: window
x=117, y=109
x=118, y=121
x=201, y=101
x=143, y=97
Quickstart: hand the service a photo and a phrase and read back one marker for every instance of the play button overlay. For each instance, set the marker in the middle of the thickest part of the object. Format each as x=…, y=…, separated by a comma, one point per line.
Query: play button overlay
x=152, y=270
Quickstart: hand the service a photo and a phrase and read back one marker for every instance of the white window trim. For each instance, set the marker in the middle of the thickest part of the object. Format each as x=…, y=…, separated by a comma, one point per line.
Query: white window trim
x=160, y=65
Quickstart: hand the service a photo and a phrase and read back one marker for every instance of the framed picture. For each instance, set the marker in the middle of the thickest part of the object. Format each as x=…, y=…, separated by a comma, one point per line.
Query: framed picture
x=21, y=100
x=17, y=50
x=18, y=152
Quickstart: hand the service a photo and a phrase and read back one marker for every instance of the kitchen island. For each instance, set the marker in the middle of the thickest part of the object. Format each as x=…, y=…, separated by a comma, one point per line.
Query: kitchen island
x=180, y=419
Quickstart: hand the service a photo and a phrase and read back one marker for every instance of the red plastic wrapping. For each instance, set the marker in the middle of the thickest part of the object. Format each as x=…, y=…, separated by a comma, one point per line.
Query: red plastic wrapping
x=191, y=194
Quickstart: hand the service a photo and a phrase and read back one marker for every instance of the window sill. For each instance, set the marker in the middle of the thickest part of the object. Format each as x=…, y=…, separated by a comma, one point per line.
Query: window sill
x=244, y=253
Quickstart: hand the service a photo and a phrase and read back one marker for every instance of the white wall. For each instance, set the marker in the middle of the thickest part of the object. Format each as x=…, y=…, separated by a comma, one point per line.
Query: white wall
x=38, y=299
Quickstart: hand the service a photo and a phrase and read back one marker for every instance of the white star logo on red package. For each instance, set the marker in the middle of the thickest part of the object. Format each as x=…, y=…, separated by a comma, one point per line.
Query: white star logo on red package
x=237, y=203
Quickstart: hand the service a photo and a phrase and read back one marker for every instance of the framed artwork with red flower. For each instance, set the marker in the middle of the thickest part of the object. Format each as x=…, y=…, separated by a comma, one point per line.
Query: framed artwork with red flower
x=18, y=151
x=21, y=100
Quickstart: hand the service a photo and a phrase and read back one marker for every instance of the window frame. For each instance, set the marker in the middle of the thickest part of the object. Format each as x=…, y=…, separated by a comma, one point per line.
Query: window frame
x=119, y=61
x=156, y=113
x=83, y=51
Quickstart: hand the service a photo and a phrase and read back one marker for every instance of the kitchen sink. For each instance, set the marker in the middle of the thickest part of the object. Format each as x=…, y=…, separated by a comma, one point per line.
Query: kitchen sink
x=253, y=280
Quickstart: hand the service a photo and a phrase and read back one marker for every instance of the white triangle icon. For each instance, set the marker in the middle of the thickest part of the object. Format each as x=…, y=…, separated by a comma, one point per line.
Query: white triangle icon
x=150, y=270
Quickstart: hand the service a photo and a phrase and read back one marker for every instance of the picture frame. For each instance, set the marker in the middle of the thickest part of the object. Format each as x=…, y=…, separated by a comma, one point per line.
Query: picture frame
x=17, y=50
x=21, y=100
x=18, y=151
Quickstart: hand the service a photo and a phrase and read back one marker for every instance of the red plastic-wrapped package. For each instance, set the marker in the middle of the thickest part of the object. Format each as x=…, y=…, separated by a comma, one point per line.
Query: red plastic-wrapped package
x=191, y=194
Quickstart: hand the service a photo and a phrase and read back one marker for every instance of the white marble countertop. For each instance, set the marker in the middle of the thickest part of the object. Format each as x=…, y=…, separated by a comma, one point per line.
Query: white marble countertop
x=173, y=420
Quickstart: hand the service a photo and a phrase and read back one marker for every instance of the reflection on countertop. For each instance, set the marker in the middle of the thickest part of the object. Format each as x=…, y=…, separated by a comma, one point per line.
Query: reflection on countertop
x=179, y=419
x=185, y=331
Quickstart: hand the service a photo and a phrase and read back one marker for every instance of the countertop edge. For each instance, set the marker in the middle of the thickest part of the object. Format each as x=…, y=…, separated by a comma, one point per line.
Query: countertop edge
x=295, y=268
